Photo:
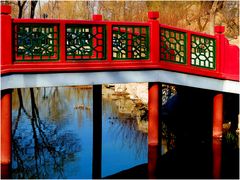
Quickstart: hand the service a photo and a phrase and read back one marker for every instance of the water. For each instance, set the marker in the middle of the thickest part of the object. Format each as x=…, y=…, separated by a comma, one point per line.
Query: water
x=58, y=141
x=54, y=139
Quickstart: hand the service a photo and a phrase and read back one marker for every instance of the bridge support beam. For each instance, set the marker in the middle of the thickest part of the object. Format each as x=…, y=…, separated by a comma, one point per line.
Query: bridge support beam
x=217, y=134
x=6, y=127
x=154, y=130
x=217, y=115
x=154, y=104
x=217, y=158
x=97, y=132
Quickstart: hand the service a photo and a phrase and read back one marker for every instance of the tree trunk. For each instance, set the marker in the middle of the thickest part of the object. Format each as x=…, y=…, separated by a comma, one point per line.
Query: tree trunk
x=33, y=7
x=20, y=8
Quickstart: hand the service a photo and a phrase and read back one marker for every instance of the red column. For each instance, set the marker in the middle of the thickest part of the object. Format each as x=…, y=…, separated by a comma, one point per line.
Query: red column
x=217, y=158
x=6, y=35
x=152, y=161
x=220, y=47
x=154, y=103
x=217, y=115
x=154, y=36
x=6, y=124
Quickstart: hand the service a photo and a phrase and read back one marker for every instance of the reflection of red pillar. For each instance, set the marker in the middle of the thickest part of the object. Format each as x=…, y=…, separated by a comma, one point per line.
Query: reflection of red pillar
x=217, y=158
x=154, y=102
x=5, y=131
x=217, y=115
x=152, y=161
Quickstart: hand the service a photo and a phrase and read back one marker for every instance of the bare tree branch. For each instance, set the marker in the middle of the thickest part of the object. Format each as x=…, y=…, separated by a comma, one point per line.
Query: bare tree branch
x=20, y=7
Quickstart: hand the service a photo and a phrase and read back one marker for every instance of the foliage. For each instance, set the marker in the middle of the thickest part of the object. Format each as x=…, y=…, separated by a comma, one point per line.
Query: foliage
x=193, y=15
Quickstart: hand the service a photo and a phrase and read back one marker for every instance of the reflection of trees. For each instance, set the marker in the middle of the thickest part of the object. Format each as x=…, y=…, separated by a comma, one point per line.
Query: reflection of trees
x=57, y=109
x=168, y=133
x=125, y=128
x=45, y=151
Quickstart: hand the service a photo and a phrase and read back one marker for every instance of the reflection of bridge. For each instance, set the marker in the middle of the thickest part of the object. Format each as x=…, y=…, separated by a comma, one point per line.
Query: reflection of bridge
x=42, y=52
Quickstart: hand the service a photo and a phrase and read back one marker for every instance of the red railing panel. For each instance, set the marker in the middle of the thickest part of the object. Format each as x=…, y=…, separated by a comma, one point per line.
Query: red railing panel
x=53, y=45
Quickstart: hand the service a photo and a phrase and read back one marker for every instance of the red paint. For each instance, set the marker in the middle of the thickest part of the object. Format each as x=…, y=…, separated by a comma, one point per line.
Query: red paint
x=63, y=43
x=154, y=37
x=6, y=36
x=217, y=115
x=154, y=15
x=6, y=127
x=217, y=158
x=6, y=171
x=109, y=43
x=97, y=17
x=154, y=104
x=227, y=56
x=5, y=9
x=152, y=161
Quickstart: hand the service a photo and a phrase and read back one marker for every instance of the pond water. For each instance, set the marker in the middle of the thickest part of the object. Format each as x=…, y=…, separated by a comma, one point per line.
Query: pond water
x=53, y=135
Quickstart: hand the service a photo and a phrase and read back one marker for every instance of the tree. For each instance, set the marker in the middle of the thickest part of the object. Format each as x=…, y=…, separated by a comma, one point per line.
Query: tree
x=21, y=5
x=33, y=7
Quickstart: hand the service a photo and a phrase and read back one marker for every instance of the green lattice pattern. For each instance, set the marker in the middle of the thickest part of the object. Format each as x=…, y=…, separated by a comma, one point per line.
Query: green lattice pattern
x=36, y=42
x=130, y=42
x=86, y=42
x=203, y=52
x=172, y=45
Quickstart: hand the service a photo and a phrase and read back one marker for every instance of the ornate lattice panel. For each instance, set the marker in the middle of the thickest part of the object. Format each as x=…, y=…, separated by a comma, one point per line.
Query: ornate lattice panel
x=130, y=42
x=36, y=42
x=203, y=52
x=172, y=46
x=85, y=42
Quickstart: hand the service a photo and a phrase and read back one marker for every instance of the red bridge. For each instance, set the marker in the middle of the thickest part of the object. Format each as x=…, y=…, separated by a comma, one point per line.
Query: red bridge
x=53, y=52
x=42, y=45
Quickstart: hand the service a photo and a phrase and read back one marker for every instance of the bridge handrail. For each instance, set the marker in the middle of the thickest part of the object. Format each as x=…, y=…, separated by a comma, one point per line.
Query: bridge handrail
x=43, y=45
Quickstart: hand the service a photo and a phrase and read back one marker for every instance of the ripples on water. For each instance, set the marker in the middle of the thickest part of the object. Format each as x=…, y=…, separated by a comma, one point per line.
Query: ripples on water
x=52, y=135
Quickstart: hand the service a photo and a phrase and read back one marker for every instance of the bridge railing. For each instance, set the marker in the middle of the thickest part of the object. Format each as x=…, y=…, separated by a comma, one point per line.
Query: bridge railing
x=44, y=45
x=188, y=51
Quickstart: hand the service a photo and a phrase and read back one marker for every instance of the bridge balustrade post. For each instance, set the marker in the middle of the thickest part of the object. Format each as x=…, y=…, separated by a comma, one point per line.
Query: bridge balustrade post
x=154, y=36
x=227, y=55
x=219, y=34
x=63, y=38
x=97, y=17
x=6, y=35
x=6, y=131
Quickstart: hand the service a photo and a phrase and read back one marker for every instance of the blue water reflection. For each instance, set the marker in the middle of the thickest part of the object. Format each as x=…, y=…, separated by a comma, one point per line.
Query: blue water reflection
x=123, y=145
x=54, y=139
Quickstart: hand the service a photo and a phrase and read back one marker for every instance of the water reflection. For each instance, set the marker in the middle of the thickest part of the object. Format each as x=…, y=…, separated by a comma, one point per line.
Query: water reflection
x=52, y=134
x=124, y=143
x=43, y=139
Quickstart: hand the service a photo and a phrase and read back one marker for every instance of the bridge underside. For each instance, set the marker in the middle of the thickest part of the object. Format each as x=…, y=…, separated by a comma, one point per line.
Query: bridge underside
x=92, y=78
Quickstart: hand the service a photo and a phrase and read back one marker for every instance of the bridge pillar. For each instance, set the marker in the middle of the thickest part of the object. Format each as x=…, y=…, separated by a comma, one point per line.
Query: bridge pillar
x=217, y=158
x=154, y=104
x=97, y=132
x=217, y=115
x=154, y=131
x=6, y=127
x=217, y=134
